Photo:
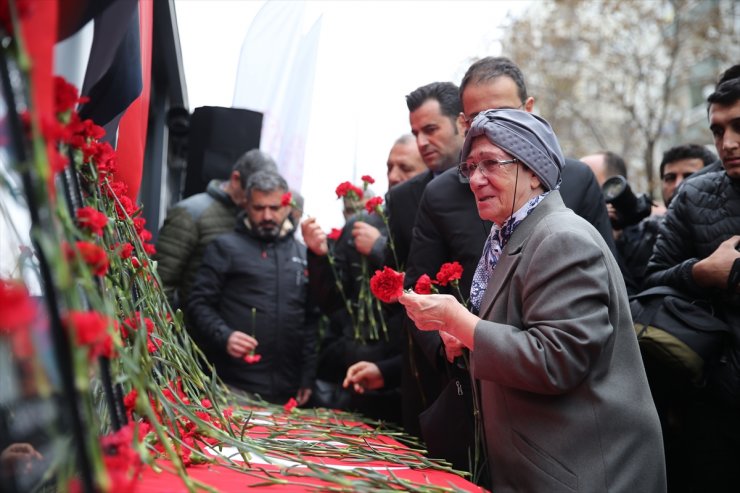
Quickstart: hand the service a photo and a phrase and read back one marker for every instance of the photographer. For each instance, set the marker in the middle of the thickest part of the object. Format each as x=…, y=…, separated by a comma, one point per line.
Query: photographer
x=637, y=229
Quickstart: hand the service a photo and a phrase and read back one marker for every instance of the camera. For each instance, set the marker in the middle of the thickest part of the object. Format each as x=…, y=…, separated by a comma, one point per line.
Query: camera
x=631, y=208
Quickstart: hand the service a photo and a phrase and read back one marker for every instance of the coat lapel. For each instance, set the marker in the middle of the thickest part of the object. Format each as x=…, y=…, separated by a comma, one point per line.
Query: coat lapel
x=512, y=251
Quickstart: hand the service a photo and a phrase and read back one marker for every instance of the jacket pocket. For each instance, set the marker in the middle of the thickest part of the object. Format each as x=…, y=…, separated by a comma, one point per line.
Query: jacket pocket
x=545, y=463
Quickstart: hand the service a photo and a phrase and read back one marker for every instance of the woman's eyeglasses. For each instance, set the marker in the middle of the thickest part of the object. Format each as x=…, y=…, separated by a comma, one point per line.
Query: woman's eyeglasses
x=487, y=167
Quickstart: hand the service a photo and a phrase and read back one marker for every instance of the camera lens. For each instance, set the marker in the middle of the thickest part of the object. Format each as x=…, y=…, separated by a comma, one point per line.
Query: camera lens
x=614, y=187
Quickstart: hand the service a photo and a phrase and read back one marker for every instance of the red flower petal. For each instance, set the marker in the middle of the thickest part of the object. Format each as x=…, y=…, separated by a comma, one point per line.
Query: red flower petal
x=450, y=271
x=423, y=285
x=387, y=285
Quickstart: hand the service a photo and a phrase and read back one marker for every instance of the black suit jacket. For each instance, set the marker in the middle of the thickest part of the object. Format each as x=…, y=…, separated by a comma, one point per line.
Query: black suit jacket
x=581, y=193
x=402, y=202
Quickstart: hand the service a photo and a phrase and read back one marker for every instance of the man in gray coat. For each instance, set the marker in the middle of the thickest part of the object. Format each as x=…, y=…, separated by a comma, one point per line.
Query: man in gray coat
x=564, y=397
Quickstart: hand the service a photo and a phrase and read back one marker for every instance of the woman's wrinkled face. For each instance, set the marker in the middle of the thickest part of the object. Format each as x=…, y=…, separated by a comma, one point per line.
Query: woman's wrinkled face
x=499, y=190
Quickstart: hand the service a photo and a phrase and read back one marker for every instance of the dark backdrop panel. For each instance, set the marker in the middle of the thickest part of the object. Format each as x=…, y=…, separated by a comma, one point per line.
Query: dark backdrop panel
x=218, y=136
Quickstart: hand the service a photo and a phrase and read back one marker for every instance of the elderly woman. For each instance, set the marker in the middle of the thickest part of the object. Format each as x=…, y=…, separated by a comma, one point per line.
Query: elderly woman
x=565, y=401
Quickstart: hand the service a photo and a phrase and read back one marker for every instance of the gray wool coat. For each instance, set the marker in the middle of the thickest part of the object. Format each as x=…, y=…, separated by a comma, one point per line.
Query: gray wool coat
x=565, y=400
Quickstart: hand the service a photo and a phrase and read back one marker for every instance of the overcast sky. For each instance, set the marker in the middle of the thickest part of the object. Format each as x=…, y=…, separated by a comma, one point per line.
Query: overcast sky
x=371, y=54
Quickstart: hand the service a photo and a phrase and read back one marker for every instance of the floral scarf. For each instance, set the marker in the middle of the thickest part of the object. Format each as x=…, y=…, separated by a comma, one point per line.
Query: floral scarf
x=493, y=247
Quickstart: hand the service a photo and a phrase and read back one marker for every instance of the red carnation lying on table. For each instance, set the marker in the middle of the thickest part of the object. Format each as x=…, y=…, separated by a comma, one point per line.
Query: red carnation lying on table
x=387, y=285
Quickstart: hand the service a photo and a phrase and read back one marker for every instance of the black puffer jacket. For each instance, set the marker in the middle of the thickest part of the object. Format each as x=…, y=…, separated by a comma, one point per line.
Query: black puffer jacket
x=704, y=213
x=240, y=272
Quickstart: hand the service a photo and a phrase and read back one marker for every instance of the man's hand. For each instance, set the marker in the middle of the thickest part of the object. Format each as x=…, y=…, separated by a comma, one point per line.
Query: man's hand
x=363, y=375
x=365, y=237
x=240, y=344
x=453, y=346
x=713, y=271
x=303, y=395
x=314, y=237
x=19, y=457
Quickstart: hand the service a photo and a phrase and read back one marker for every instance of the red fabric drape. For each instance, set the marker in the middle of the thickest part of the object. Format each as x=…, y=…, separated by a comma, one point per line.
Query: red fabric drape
x=133, y=127
x=39, y=31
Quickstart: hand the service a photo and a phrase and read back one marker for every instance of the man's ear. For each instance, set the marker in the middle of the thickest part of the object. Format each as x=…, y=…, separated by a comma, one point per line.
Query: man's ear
x=462, y=127
x=529, y=104
x=236, y=179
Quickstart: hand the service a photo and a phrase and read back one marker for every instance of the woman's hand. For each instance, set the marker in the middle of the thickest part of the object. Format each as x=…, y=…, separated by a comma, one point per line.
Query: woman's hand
x=453, y=346
x=440, y=312
x=431, y=311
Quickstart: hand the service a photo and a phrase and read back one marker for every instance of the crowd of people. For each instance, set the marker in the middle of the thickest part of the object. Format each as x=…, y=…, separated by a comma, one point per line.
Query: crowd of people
x=539, y=327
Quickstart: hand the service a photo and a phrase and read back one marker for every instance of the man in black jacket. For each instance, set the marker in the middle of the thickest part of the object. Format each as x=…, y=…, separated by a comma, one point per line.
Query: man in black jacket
x=698, y=252
x=194, y=222
x=250, y=298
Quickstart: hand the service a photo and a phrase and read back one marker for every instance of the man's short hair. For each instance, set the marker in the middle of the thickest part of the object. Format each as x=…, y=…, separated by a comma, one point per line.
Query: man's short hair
x=405, y=139
x=252, y=161
x=727, y=91
x=446, y=93
x=686, y=151
x=266, y=181
x=489, y=68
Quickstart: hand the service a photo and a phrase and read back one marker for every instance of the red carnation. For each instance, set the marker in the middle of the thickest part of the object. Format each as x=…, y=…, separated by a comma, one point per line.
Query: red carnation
x=368, y=179
x=58, y=161
x=373, y=204
x=90, y=329
x=423, y=285
x=334, y=234
x=17, y=309
x=66, y=96
x=252, y=358
x=346, y=188
x=449, y=272
x=81, y=131
x=290, y=405
x=387, y=285
x=89, y=326
x=92, y=219
x=93, y=255
x=139, y=223
x=145, y=235
x=286, y=199
x=129, y=400
x=125, y=251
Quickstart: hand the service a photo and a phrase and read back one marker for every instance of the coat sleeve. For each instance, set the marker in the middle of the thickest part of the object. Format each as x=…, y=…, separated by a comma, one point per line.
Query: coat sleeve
x=563, y=295
x=176, y=242
x=396, y=234
x=206, y=324
x=674, y=253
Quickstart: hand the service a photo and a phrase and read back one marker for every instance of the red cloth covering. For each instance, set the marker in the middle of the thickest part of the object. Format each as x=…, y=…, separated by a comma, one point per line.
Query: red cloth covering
x=133, y=126
x=225, y=480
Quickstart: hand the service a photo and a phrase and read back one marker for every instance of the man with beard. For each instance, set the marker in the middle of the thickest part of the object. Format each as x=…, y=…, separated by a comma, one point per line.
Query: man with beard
x=249, y=303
